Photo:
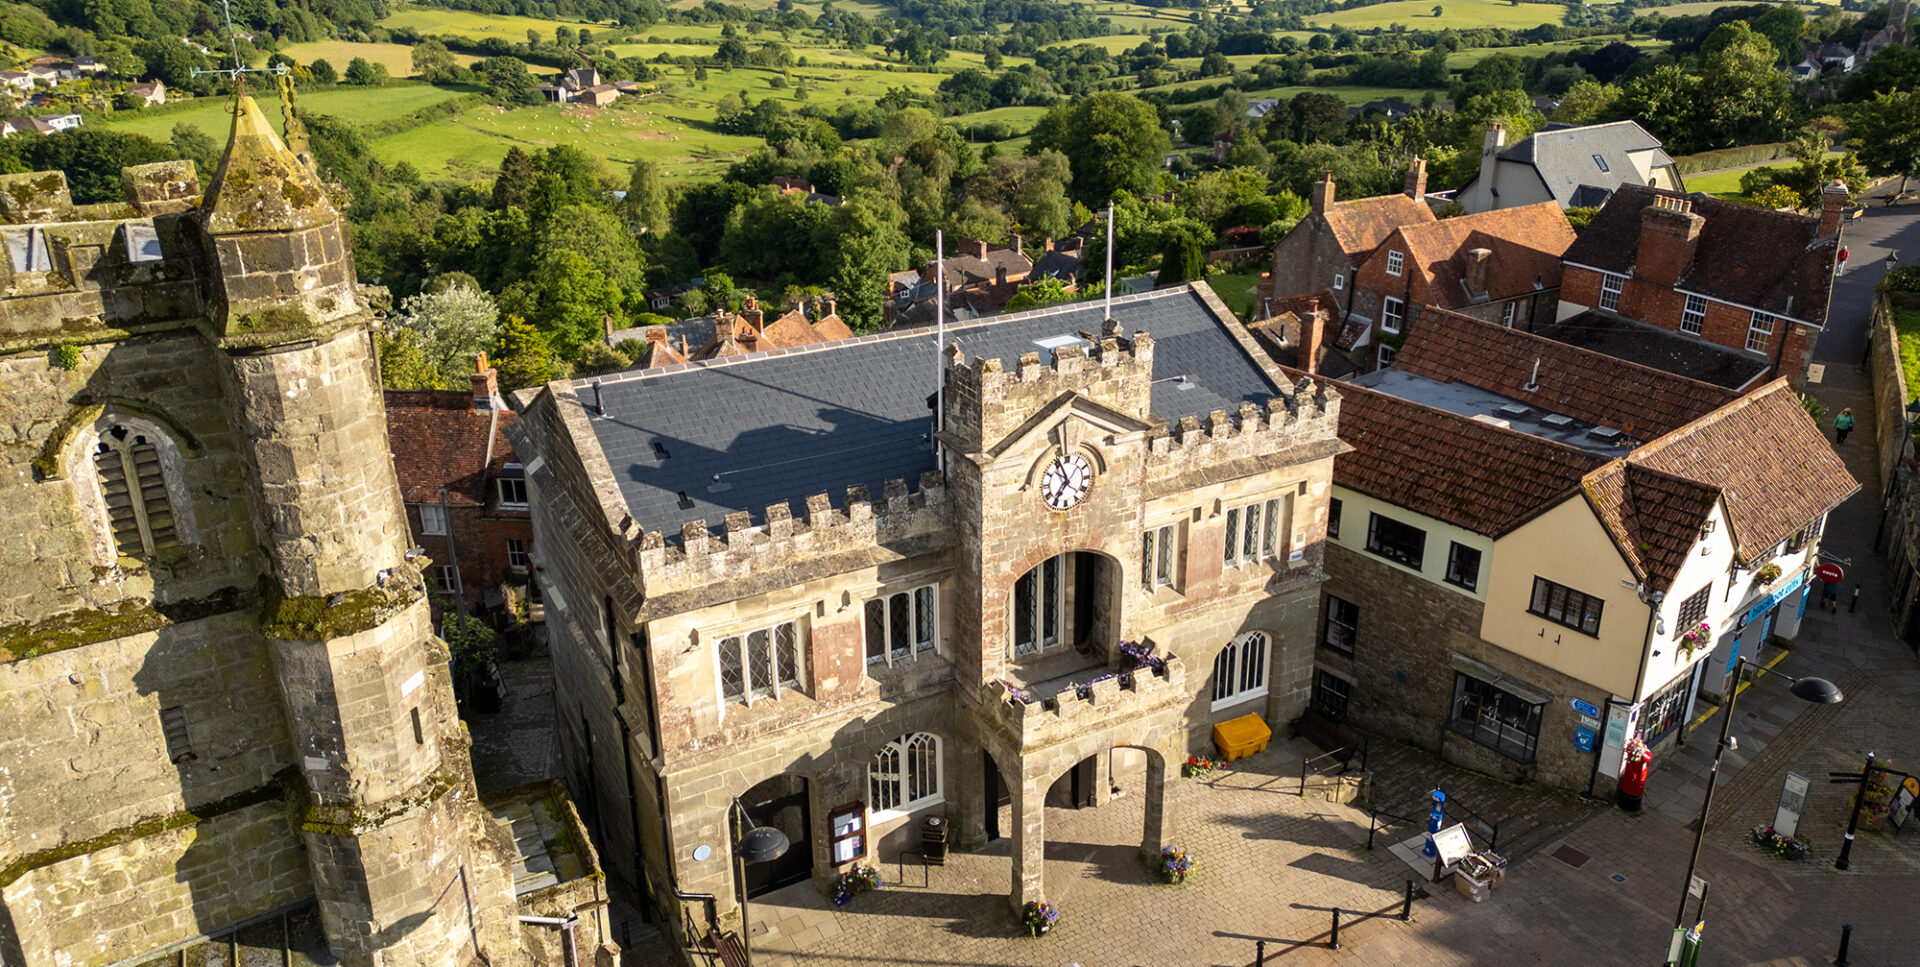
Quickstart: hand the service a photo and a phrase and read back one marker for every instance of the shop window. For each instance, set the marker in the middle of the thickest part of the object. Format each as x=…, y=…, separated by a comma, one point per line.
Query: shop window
x=1503, y=722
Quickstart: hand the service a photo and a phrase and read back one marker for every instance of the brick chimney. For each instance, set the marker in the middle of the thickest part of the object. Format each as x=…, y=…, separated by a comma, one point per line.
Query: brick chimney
x=1669, y=231
x=723, y=326
x=1047, y=246
x=826, y=306
x=1833, y=204
x=657, y=334
x=486, y=386
x=1417, y=179
x=1323, y=194
x=606, y=327
x=1013, y=242
x=1489, y=159
x=999, y=275
x=1312, y=333
x=1476, y=269
x=751, y=314
x=974, y=247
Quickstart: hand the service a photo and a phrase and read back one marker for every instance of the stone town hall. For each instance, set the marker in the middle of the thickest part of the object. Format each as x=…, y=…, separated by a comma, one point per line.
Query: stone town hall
x=855, y=584
x=227, y=731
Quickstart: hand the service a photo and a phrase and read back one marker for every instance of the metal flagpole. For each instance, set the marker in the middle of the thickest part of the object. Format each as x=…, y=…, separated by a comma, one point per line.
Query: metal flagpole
x=939, y=334
x=1108, y=312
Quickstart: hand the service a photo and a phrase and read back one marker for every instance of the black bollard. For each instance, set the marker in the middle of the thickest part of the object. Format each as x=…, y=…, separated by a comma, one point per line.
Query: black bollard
x=1260, y=953
x=1846, y=937
x=1406, y=909
x=1335, y=943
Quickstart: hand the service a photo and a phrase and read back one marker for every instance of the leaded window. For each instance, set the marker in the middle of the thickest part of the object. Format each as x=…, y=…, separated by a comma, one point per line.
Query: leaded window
x=902, y=625
x=905, y=774
x=761, y=664
x=1240, y=670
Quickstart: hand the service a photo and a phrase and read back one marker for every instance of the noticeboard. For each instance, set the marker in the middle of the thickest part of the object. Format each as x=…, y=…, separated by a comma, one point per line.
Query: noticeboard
x=1453, y=843
x=1901, y=806
x=1793, y=802
x=849, y=825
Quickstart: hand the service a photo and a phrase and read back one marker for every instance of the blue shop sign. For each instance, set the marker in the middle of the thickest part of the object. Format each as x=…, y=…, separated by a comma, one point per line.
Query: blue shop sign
x=1763, y=606
x=1585, y=708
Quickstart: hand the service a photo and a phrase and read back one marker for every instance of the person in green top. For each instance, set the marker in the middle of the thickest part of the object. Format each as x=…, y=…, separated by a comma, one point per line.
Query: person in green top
x=1842, y=425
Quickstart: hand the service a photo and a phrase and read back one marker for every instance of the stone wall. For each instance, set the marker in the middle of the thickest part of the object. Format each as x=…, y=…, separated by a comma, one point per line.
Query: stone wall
x=121, y=901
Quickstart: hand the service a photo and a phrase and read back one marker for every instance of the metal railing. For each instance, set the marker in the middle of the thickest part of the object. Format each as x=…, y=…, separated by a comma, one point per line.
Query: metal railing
x=1405, y=915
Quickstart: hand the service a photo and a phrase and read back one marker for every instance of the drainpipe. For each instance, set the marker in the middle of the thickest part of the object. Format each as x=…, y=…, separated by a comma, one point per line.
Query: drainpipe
x=459, y=589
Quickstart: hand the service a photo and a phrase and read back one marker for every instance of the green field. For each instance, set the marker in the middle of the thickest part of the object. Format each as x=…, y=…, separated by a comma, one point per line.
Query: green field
x=1418, y=14
x=479, y=26
x=397, y=57
x=1690, y=9
x=1461, y=59
x=361, y=105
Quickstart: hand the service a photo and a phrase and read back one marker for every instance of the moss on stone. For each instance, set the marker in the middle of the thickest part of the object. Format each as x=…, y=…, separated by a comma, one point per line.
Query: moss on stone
x=47, y=463
x=77, y=628
x=320, y=617
x=151, y=826
x=354, y=820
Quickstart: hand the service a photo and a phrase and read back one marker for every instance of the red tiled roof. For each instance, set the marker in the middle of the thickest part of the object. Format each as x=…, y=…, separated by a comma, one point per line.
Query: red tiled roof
x=1362, y=224
x=1526, y=243
x=440, y=440
x=657, y=353
x=1474, y=475
x=1766, y=456
x=1642, y=401
x=1653, y=517
x=791, y=329
x=831, y=328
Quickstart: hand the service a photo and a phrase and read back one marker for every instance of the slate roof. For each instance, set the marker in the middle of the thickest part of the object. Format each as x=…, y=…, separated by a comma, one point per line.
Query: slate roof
x=1526, y=242
x=683, y=336
x=1772, y=261
x=440, y=440
x=1640, y=400
x=1474, y=475
x=1059, y=265
x=1362, y=224
x=1653, y=517
x=1601, y=331
x=1766, y=456
x=1563, y=156
x=782, y=425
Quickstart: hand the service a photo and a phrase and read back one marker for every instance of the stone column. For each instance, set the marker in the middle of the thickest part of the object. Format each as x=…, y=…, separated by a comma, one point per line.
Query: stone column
x=1102, y=778
x=1154, y=829
x=966, y=809
x=1029, y=841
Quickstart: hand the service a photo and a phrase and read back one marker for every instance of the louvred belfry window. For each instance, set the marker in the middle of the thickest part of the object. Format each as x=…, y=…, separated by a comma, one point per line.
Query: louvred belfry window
x=138, y=509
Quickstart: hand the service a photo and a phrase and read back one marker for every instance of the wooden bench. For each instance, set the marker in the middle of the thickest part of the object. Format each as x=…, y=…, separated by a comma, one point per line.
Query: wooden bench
x=727, y=947
x=1329, y=735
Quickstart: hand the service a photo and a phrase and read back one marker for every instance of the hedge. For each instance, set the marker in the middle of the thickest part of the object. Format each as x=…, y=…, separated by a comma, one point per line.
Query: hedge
x=1750, y=154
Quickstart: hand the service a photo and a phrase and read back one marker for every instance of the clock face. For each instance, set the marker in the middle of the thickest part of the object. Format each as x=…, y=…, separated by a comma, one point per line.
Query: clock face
x=1067, y=480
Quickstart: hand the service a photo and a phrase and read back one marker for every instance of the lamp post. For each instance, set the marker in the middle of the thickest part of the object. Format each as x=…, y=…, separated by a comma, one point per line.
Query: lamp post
x=1816, y=690
x=759, y=844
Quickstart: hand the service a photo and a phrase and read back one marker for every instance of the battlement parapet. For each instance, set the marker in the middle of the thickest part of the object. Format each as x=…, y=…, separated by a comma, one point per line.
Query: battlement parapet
x=1309, y=414
x=702, y=557
x=1037, y=721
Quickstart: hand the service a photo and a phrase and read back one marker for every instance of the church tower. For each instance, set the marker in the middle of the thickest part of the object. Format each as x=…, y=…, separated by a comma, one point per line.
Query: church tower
x=407, y=867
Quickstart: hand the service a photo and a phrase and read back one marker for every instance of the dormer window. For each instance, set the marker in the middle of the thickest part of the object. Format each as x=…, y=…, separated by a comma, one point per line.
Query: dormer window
x=1395, y=262
x=513, y=487
x=139, y=511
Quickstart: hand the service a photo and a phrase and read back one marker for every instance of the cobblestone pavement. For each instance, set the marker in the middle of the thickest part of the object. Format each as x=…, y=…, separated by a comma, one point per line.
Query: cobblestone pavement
x=516, y=744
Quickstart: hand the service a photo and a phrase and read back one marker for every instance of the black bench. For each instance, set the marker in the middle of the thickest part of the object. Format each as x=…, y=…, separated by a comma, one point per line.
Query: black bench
x=727, y=947
x=1332, y=737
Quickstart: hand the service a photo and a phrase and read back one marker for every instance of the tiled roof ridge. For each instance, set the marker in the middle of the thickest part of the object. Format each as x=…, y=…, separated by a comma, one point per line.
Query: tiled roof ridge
x=953, y=329
x=1719, y=414
x=1556, y=346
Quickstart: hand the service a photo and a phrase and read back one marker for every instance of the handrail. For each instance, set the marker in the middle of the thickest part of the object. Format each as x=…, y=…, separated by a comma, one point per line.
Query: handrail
x=1492, y=829
x=712, y=903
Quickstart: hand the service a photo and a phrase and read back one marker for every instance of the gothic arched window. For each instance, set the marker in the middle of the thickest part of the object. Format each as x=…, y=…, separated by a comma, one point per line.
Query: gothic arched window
x=139, y=512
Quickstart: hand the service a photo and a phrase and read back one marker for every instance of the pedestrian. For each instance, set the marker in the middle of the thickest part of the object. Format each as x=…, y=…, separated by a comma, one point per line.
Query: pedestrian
x=1842, y=425
x=1841, y=266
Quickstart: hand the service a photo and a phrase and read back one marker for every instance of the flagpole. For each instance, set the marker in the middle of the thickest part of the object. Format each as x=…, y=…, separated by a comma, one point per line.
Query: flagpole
x=939, y=334
x=1108, y=312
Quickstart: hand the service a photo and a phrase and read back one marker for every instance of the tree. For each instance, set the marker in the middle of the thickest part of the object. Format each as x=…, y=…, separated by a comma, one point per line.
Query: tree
x=1438, y=10
x=452, y=326
x=596, y=235
x=1741, y=97
x=1039, y=294
x=1587, y=102
x=322, y=71
x=1887, y=129
x=647, y=197
x=196, y=146
x=431, y=59
x=1183, y=255
x=570, y=298
x=507, y=80
x=365, y=73
x=403, y=365
x=1113, y=142
x=521, y=355
x=514, y=181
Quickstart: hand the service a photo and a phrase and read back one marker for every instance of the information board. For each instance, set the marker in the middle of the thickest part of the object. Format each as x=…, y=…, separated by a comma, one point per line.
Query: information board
x=849, y=825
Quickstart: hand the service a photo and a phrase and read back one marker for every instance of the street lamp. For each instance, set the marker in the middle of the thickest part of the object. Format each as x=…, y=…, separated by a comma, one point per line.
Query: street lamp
x=759, y=844
x=1816, y=690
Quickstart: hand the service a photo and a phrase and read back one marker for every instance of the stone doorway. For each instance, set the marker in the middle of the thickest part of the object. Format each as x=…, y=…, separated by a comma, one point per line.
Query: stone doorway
x=999, y=800
x=780, y=802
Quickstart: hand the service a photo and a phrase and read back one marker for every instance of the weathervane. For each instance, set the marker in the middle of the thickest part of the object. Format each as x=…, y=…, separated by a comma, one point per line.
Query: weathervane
x=239, y=66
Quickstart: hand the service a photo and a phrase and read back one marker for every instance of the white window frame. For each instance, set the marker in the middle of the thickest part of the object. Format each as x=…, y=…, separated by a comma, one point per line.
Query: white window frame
x=1396, y=262
x=512, y=497
x=1392, y=312
x=1509, y=313
x=920, y=607
x=1760, y=326
x=517, y=557
x=446, y=578
x=1383, y=357
x=1611, y=285
x=1160, y=557
x=1693, y=315
x=887, y=790
x=1241, y=668
x=769, y=684
x=433, y=520
x=1339, y=281
x=1253, y=533
x=1048, y=599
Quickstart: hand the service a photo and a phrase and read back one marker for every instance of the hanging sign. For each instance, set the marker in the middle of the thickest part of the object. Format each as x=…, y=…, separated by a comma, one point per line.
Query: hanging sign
x=1831, y=573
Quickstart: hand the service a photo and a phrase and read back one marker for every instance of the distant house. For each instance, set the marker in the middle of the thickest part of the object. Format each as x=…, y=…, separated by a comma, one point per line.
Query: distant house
x=1392, y=110
x=1806, y=70
x=730, y=334
x=554, y=93
x=63, y=122
x=18, y=80
x=799, y=186
x=599, y=95
x=153, y=93
x=27, y=125
x=1578, y=167
x=88, y=65
x=1894, y=34
x=1327, y=246
x=1835, y=57
x=46, y=74
x=627, y=87
x=1262, y=107
x=580, y=79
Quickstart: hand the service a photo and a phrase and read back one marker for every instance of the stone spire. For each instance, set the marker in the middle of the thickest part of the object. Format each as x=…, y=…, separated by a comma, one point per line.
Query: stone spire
x=261, y=186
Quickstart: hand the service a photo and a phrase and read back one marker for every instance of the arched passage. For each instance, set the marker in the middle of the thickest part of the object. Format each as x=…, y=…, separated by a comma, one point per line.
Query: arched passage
x=1029, y=802
x=779, y=802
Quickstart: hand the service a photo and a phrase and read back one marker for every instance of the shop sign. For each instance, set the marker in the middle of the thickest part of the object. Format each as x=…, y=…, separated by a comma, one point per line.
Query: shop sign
x=1584, y=708
x=1766, y=604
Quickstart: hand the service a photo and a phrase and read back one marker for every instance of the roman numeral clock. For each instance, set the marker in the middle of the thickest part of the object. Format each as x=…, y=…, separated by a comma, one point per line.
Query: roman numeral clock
x=1066, y=480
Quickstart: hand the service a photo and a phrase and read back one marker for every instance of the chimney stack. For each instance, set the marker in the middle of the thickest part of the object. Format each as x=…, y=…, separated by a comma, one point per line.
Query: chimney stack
x=1312, y=332
x=1669, y=232
x=975, y=247
x=1477, y=259
x=751, y=314
x=999, y=275
x=1833, y=204
x=486, y=386
x=606, y=327
x=657, y=334
x=1013, y=242
x=1323, y=194
x=1490, y=160
x=1047, y=246
x=1417, y=179
x=826, y=306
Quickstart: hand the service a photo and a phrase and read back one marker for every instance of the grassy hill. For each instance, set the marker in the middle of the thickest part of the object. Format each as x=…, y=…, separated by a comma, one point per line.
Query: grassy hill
x=1459, y=14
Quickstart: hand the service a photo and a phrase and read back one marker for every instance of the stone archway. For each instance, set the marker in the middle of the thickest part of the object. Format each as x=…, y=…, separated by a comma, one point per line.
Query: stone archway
x=1040, y=771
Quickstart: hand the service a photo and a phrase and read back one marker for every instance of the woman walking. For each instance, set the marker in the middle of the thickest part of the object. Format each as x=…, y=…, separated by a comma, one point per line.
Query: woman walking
x=1842, y=425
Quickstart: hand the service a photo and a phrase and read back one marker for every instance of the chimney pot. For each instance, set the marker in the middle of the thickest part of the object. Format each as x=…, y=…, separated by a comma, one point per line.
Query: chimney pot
x=486, y=386
x=1669, y=233
x=1323, y=194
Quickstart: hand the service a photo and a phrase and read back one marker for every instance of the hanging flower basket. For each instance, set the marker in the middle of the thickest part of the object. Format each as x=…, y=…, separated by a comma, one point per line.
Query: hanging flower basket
x=1878, y=800
x=1175, y=864
x=1696, y=637
x=1767, y=574
x=1038, y=917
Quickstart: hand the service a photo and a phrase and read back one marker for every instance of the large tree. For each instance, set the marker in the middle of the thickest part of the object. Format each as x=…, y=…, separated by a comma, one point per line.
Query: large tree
x=647, y=197
x=1113, y=142
x=451, y=326
x=1887, y=130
